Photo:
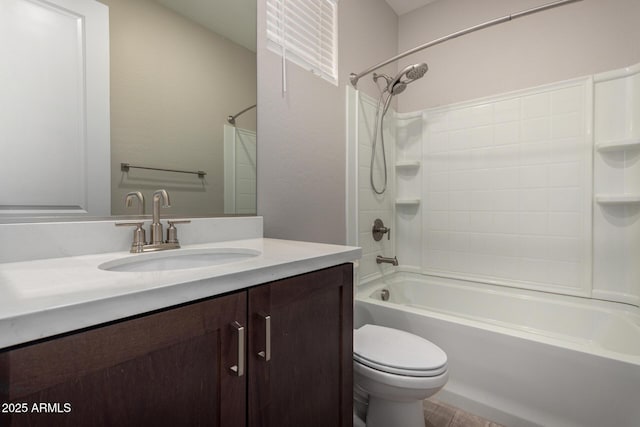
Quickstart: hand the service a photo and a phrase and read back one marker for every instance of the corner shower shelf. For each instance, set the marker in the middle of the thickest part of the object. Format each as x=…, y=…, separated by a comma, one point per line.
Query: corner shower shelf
x=408, y=164
x=407, y=202
x=617, y=199
x=621, y=144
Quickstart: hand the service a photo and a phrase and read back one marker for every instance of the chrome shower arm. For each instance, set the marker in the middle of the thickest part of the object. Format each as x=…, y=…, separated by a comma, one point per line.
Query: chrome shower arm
x=353, y=78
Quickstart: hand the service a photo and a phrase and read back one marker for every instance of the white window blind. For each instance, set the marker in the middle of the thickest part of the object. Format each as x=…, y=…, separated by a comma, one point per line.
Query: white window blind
x=305, y=32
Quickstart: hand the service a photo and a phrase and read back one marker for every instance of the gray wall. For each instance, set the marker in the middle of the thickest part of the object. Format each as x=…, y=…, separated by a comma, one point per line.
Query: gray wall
x=301, y=134
x=570, y=41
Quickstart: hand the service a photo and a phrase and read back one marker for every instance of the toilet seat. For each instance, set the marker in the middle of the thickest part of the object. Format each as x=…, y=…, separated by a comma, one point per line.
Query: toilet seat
x=397, y=352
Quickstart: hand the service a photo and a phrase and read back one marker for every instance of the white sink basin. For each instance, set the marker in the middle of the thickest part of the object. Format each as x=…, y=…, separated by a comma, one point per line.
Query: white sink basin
x=179, y=259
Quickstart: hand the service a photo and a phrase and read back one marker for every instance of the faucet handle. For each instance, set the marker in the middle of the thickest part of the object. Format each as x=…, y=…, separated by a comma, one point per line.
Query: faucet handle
x=139, y=238
x=128, y=201
x=172, y=231
x=378, y=230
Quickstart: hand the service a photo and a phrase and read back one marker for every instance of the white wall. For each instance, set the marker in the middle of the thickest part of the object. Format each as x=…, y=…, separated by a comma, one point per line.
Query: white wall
x=372, y=206
x=506, y=191
x=301, y=136
x=562, y=43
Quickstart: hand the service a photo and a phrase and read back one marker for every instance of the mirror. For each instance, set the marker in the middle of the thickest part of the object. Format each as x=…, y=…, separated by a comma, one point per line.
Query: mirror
x=178, y=69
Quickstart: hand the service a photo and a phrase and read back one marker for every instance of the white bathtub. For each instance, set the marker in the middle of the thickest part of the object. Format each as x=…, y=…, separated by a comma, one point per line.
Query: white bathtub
x=521, y=358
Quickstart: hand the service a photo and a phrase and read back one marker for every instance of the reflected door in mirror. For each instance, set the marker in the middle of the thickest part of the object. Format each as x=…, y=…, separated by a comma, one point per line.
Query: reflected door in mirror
x=54, y=108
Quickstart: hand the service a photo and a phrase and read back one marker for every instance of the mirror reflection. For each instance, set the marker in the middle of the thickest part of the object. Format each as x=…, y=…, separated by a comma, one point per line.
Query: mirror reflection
x=178, y=70
x=175, y=79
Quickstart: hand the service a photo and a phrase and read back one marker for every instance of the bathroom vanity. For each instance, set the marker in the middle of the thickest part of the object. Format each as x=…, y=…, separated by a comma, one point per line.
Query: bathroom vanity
x=265, y=341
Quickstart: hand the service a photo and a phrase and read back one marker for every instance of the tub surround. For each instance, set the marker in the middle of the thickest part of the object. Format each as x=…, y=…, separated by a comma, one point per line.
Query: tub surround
x=365, y=204
x=54, y=293
x=536, y=188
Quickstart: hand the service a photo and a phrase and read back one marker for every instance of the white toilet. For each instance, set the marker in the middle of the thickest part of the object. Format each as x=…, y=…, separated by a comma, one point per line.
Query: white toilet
x=397, y=370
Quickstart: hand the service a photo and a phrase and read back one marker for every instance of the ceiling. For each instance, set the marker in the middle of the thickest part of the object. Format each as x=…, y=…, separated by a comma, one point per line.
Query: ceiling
x=235, y=20
x=400, y=7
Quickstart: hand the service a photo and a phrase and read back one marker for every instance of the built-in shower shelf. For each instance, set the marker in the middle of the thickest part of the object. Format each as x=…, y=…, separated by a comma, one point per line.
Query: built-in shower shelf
x=407, y=202
x=408, y=164
x=621, y=144
x=617, y=199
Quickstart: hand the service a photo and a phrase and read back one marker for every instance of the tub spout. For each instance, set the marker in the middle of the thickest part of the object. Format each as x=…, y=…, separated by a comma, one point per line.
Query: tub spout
x=380, y=259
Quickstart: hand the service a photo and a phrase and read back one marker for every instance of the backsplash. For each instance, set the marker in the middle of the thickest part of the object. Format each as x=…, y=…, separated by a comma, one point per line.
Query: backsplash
x=31, y=241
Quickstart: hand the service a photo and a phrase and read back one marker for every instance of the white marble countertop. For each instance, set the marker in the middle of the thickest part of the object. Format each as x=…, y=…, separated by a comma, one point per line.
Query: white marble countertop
x=47, y=297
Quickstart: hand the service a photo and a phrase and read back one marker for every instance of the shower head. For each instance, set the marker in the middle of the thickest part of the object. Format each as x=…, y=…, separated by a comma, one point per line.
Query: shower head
x=416, y=71
x=411, y=72
x=397, y=88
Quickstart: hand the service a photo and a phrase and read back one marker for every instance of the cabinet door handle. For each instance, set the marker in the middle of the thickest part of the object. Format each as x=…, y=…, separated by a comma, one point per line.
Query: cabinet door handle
x=266, y=353
x=239, y=368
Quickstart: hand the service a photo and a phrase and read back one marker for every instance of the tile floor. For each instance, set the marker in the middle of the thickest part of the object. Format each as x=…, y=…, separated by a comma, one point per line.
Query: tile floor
x=439, y=414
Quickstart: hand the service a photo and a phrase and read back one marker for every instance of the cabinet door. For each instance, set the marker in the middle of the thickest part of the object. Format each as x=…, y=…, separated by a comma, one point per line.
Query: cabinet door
x=308, y=380
x=166, y=369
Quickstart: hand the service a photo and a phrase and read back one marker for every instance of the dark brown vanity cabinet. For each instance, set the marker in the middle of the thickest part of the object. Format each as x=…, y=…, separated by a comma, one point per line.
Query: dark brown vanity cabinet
x=180, y=366
x=165, y=369
x=308, y=380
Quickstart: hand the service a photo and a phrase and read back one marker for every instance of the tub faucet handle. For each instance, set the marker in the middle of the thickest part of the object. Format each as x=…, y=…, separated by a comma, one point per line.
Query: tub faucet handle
x=379, y=230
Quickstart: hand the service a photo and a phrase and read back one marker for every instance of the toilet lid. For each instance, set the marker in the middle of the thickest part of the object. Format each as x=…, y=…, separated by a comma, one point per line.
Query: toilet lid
x=398, y=352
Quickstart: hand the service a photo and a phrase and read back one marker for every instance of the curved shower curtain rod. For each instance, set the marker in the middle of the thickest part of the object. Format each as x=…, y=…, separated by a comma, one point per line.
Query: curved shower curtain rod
x=355, y=77
x=232, y=119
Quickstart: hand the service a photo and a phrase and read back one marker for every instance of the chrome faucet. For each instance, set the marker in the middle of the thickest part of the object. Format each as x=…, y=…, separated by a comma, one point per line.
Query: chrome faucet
x=156, y=226
x=156, y=242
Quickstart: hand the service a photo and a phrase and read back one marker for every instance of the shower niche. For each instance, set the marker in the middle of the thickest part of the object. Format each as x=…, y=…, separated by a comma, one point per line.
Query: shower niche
x=616, y=212
x=617, y=136
x=408, y=161
x=409, y=170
